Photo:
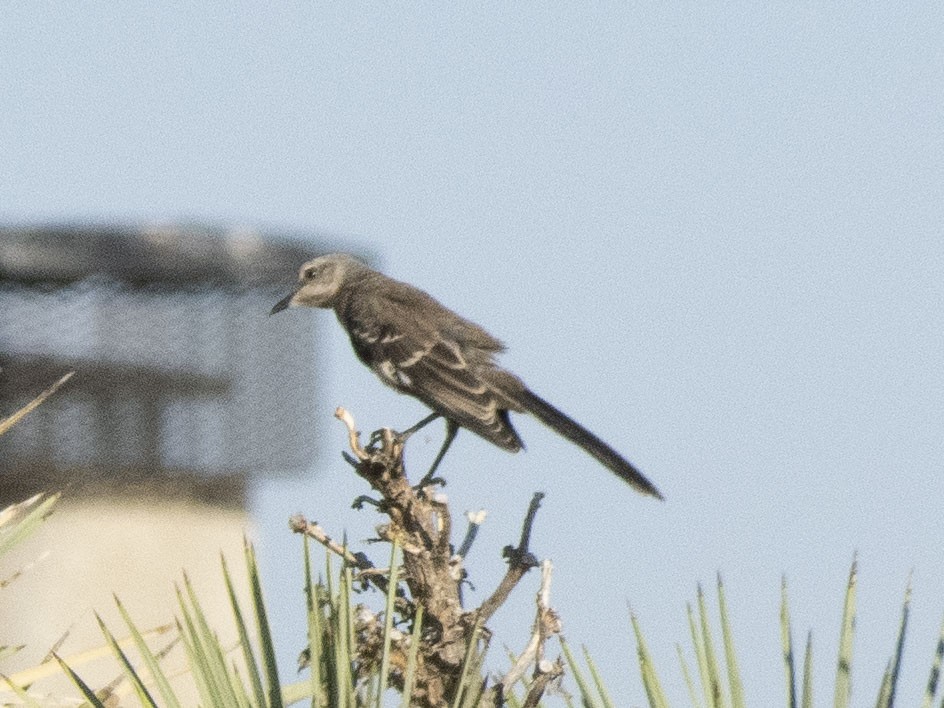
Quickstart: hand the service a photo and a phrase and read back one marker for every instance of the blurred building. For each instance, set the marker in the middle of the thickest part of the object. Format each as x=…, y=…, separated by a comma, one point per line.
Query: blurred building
x=181, y=378
x=184, y=389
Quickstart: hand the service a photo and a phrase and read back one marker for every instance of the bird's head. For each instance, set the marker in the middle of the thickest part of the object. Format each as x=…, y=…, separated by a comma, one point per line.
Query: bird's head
x=319, y=281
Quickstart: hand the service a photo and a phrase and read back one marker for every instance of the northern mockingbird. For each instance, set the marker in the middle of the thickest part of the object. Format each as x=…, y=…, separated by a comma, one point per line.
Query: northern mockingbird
x=419, y=347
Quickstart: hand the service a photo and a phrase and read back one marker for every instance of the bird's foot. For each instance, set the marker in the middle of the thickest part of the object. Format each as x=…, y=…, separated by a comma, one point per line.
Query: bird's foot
x=364, y=500
x=376, y=438
x=429, y=480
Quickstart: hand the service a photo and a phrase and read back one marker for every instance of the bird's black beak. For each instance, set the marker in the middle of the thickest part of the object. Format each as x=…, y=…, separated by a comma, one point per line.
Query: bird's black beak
x=283, y=303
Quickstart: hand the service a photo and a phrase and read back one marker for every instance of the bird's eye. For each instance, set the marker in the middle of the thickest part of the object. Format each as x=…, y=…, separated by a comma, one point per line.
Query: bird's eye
x=310, y=273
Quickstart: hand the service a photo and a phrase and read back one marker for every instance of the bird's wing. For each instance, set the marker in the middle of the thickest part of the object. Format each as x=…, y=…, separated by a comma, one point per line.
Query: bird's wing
x=417, y=346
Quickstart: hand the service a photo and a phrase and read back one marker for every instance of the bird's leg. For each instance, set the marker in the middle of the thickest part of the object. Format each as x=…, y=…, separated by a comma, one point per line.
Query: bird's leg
x=405, y=435
x=452, y=429
x=409, y=431
x=364, y=500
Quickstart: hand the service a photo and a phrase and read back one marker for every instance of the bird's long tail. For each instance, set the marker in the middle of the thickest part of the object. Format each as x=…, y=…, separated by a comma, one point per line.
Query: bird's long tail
x=579, y=435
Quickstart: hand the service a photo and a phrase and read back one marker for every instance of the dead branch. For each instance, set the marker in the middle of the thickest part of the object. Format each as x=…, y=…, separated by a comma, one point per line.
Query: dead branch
x=453, y=639
x=546, y=625
x=299, y=524
x=520, y=561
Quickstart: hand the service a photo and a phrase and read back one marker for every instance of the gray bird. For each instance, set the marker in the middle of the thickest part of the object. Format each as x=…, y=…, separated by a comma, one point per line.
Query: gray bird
x=421, y=348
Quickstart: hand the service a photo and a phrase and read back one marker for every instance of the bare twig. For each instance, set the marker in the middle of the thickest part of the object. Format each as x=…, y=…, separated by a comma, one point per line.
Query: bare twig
x=546, y=623
x=529, y=520
x=353, y=435
x=520, y=561
x=549, y=671
x=475, y=519
x=299, y=524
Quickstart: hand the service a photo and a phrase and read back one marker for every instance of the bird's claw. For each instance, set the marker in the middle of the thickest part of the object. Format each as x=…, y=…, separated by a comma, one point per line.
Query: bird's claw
x=364, y=500
x=428, y=481
x=376, y=438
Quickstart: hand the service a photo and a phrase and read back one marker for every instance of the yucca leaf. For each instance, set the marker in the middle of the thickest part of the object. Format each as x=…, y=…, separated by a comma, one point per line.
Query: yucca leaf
x=150, y=660
x=345, y=645
x=388, y=622
x=931, y=690
x=843, y=692
x=597, y=679
x=262, y=626
x=473, y=685
x=467, y=662
x=807, y=699
x=14, y=530
x=700, y=660
x=130, y=672
x=204, y=656
x=885, y=690
x=221, y=678
x=734, y=674
x=31, y=675
x=21, y=693
x=511, y=700
x=410, y=676
x=295, y=692
x=711, y=661
x=650, y=679
x=83, y=687
x=786, y=642
x=315, y=631
x=249, y=657
x=586, y=694
x=895, y=664
x=7, y=651
x=11, y=420
x=687, y=676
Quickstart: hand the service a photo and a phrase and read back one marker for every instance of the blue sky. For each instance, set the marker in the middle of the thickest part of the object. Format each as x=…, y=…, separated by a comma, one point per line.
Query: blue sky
x=712, y=232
